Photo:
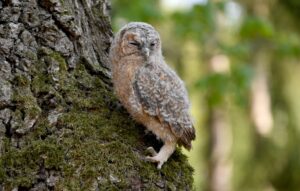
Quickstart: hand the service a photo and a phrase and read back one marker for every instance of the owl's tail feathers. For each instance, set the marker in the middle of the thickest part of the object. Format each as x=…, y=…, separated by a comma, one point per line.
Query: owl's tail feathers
x=187, y=136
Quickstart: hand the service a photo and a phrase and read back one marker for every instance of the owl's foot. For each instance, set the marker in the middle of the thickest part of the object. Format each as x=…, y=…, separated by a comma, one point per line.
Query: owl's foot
x=151, y=151
x=156, y=159
x=163, y=155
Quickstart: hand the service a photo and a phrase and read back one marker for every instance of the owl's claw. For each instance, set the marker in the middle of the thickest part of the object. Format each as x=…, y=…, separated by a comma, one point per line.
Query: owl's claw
x=155, y=159
x=162, y=156
x=151, y=151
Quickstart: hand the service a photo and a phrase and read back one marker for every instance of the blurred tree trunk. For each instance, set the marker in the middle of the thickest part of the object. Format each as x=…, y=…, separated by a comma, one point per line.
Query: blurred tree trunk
x=220, y=168
x=261, y=111
x=60, y=124
x=220, y=164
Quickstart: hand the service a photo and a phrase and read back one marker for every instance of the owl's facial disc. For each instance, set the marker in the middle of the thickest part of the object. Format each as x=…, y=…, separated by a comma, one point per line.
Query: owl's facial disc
x=140, y=43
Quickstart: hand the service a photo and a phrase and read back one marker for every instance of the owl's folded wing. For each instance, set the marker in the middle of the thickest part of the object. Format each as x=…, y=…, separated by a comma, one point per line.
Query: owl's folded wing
x=163, y=95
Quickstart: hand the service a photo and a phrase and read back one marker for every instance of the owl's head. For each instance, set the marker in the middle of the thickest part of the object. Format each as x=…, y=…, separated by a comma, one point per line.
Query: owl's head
x=139, y=39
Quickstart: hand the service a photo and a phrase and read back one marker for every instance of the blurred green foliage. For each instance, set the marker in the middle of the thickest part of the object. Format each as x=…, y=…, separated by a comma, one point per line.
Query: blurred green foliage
x=195, y=24
x=263, y=34
x=136, y=10
x=256, y=28
x=236, y=84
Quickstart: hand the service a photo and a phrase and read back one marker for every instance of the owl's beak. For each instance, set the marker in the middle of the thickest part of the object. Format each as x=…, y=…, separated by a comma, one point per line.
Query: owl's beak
x=146, y=52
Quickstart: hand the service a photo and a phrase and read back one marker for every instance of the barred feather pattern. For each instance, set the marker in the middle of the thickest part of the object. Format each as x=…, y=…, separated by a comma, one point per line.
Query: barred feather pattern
x=163, y=95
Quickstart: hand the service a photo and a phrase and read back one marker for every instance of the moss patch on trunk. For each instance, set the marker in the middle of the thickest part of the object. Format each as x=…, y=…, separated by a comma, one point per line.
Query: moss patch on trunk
x=81, y=139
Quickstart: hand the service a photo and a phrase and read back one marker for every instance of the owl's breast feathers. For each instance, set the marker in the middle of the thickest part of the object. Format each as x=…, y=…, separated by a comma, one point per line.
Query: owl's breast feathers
x=163, y=95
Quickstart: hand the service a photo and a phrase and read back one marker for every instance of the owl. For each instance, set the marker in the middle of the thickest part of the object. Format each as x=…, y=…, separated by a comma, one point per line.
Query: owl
x=150, y=90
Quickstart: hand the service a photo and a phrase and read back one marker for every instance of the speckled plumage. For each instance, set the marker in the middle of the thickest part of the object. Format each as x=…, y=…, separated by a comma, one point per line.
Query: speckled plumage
x=149, y=89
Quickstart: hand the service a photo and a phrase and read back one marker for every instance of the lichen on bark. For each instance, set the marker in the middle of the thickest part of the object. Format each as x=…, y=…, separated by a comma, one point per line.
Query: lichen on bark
x=61, y=128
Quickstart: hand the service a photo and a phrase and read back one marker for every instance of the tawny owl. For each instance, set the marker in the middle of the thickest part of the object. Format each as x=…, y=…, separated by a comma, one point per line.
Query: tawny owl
x=149, y=89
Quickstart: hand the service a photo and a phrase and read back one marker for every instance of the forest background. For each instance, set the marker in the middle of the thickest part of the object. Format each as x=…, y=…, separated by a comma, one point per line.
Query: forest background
x=240, y=62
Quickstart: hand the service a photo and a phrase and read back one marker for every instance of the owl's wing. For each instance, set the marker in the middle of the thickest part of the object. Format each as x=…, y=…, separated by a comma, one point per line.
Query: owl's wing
x=163, y=95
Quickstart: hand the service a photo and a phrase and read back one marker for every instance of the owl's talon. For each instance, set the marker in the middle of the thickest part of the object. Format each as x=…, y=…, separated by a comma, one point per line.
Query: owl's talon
x=150, y=159
x=155, y=160
x=151, y=151
x=162, y=156
x=159, y=165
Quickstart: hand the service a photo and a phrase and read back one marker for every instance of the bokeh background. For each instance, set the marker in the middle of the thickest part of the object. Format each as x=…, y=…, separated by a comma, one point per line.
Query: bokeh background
x=240, y=62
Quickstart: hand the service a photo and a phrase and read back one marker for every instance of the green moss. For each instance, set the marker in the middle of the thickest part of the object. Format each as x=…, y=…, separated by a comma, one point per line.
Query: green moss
x=90, y=148
x=110, y=157
x=97, y=10
x=87, y=147
x=21, y=80
x=41, y=83
x=31, y=55
x=83, y=90
x=24, y=163
x=62, y=63
x=26, y=102
x=32, y=112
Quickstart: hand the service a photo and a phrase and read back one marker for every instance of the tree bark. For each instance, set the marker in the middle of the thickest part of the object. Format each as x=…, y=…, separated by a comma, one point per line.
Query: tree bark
x=61, y=128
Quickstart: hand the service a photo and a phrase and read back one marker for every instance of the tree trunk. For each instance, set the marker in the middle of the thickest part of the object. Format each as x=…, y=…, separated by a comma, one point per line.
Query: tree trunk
x=61, y=128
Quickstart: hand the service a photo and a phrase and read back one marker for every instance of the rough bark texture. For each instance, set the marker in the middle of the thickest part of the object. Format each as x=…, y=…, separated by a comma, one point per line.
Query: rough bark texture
x=61, y=127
